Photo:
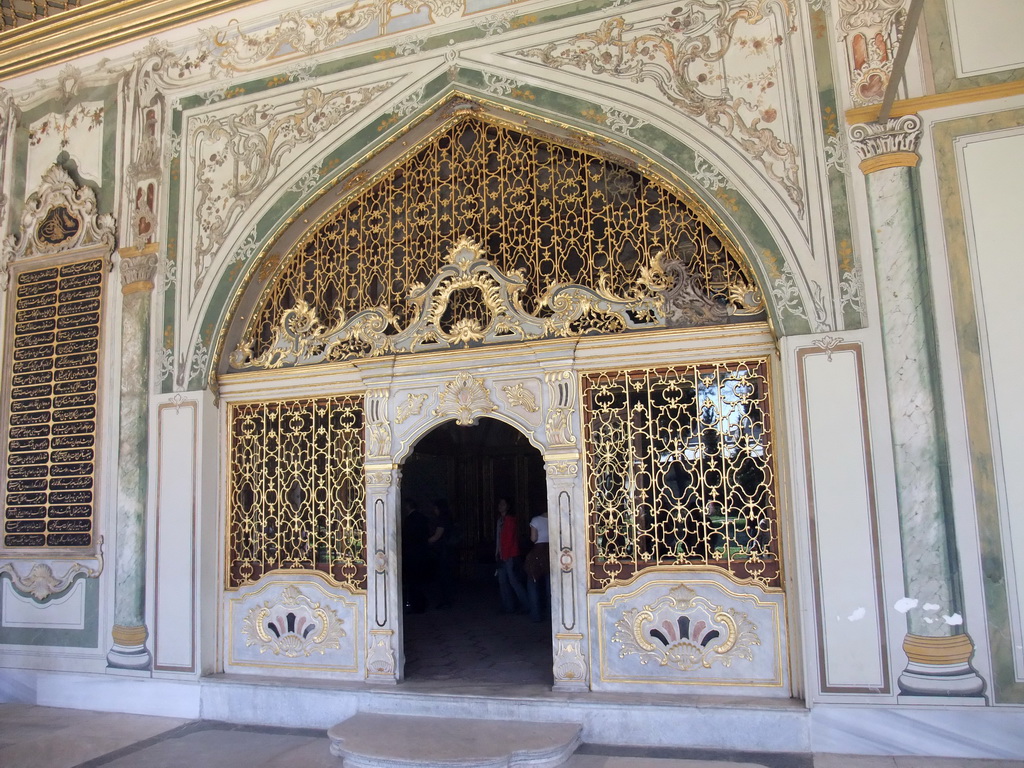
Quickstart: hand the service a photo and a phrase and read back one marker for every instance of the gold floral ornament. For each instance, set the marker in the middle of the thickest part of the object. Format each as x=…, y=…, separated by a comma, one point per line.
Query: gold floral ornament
x=470, y=301
x=685, y=631
x=293, y=626
x=465, y=398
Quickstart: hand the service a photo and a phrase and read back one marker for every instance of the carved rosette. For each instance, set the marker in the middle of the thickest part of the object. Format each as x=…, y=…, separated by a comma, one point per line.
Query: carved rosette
x=889, y=144
x=563, y=469
x=381, y=480
x=465, y=398
x=293, y=626
x=685, y=631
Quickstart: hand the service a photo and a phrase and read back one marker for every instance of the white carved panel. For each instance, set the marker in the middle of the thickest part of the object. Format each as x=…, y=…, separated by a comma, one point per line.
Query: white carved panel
x=295, y=625
x=177, y=477
x=992, y=168
x=689, y=630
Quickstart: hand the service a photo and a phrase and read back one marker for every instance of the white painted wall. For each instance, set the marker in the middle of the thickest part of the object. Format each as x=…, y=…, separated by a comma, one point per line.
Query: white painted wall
x=987, y=35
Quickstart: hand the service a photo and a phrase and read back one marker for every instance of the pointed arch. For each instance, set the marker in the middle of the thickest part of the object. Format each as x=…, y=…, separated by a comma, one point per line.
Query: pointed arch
x=579, y=236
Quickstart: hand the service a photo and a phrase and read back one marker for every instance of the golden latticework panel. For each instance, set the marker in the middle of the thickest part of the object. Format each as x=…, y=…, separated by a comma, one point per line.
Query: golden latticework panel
x=680, y=471
x=296, y=497
x=550, y=215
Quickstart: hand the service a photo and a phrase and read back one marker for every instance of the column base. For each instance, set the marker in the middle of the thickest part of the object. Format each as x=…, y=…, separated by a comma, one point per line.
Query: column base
x=940, y=666
x=129, y=649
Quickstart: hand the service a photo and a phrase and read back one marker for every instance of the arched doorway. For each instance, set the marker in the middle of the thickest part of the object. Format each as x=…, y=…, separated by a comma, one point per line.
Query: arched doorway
x=459, y=633
x=631, y=348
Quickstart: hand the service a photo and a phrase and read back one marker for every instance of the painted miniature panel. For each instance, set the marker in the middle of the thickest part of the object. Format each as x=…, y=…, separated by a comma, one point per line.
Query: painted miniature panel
x=695, y=629
x=292, y=626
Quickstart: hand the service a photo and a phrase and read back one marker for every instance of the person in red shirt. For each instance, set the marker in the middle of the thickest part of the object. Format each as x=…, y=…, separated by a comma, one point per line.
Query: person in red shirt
x=509, y=559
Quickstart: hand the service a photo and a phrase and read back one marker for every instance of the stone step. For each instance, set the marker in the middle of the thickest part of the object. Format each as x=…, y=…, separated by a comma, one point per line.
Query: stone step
x=368, y=740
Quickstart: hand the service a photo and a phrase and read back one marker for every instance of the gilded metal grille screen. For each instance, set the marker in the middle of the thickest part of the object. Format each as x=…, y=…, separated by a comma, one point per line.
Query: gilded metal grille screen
x=550, y=214
x=52, y=413
x=296, y=494
x=17, y=13
x=680, y=471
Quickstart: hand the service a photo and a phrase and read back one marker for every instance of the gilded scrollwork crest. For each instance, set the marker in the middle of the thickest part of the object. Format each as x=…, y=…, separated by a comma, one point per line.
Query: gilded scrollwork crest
x=60, y=216
x=530, y=282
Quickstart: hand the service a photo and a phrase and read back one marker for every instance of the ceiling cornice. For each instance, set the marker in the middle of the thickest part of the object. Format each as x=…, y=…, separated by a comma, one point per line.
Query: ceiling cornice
x=96, y=26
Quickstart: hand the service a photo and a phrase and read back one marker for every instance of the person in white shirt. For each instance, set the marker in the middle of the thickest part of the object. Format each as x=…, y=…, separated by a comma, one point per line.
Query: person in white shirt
x=538, y=584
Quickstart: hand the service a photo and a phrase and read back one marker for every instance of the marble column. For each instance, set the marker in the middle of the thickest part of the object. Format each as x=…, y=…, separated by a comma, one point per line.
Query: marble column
x=129, y=634
x=937, y=646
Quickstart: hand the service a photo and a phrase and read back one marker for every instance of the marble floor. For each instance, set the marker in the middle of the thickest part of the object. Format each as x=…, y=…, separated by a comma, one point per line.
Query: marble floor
x=44, y=737
x=466, y=648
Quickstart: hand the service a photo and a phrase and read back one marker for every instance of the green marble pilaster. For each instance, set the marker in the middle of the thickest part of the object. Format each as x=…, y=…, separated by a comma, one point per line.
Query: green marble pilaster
x=129, y=633
x=937, y=647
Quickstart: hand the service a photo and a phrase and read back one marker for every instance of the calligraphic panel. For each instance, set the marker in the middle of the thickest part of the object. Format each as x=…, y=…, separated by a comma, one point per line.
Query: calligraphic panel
x=52, y=385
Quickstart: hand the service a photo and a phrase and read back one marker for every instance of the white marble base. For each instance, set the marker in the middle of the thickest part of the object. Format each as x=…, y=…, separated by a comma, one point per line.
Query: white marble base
x=940, y=680
x=133, y=657
x=771, y=725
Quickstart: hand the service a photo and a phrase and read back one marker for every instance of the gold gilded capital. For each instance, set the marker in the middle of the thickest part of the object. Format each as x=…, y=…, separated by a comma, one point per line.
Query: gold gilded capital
x=892, y=144
x=138, y=267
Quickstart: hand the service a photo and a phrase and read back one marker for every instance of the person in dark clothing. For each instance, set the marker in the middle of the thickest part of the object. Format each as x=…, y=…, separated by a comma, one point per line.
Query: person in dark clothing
x=444, y=552
x=415, y=556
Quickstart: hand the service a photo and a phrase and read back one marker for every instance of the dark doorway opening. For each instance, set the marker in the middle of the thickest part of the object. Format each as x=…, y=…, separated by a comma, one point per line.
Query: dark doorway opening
x=455, y=631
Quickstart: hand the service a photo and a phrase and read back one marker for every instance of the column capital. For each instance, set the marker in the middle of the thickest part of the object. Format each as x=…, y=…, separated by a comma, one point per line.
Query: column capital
x=138, y=268
x=892, y=144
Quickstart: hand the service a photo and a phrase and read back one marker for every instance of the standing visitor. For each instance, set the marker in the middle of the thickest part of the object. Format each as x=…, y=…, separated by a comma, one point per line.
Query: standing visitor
x=507, y=554
x=538, y=583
